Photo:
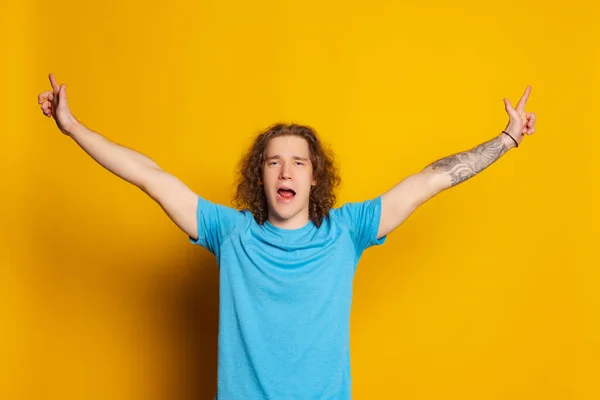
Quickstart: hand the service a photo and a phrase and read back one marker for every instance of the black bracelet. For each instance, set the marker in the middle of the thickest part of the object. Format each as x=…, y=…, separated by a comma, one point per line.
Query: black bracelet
x=514, y=140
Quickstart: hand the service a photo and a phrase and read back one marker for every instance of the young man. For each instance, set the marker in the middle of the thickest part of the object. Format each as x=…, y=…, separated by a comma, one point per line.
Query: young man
x=287, y=259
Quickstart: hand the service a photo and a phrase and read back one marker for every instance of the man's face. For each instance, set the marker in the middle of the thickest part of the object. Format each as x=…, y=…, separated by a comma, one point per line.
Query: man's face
x=287, y=176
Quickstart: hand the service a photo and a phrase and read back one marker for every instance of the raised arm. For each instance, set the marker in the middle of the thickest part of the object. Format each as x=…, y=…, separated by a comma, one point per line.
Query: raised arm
x=405, y=197
x=175, y=198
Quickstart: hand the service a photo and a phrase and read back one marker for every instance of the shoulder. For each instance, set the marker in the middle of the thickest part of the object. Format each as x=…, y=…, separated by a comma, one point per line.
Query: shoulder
x=351, y=211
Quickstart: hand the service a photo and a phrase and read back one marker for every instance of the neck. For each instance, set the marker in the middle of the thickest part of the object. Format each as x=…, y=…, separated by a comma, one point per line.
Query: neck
x=295, y=222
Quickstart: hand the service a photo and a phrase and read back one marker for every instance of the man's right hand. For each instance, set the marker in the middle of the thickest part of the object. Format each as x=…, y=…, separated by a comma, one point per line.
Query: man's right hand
x=54, y=104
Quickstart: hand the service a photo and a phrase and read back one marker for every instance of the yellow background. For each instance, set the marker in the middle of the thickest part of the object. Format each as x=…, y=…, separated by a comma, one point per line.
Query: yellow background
x=488, y=291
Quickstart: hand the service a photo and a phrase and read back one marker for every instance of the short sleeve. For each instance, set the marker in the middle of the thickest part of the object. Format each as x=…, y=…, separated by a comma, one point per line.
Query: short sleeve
x=215, y=223
x=362, y=220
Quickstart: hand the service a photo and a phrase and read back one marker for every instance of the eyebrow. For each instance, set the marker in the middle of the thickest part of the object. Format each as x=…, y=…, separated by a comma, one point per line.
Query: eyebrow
x=278, y=157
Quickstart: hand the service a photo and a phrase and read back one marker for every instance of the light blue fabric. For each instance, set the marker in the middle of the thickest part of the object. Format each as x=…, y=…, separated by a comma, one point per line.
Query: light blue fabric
x=285, y=297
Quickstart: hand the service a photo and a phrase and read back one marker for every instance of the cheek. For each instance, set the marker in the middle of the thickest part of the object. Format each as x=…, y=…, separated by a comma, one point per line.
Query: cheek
x=269, y=182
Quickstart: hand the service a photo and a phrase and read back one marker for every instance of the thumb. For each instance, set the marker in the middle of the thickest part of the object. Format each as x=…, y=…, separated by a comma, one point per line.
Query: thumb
x=62, y=94
x=509, y=108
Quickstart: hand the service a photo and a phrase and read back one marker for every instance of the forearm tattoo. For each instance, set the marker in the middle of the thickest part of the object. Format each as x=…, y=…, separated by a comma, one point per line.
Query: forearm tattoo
x=464, y=165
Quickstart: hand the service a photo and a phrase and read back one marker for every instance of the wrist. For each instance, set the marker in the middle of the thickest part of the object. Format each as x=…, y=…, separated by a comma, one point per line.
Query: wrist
x=71, y=127
x=508, y=142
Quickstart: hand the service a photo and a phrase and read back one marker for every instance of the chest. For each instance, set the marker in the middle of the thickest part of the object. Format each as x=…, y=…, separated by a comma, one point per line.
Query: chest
x=296, y=274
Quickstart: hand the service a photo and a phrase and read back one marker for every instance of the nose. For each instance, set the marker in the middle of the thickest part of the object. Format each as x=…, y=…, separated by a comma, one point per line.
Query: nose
x=284, y=172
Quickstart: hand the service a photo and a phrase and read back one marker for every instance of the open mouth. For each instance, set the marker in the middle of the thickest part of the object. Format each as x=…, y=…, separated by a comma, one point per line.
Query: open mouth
x=286, y=193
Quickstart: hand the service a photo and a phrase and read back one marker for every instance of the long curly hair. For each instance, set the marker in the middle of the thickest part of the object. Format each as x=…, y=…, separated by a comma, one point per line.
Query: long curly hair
x=250, y=193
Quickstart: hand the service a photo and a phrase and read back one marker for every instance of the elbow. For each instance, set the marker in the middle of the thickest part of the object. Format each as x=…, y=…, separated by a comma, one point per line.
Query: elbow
x=434, y=182
x=149, y=179
x=437, y=181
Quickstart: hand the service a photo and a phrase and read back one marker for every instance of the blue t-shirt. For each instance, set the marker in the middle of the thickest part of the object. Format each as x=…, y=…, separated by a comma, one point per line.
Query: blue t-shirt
x=285, y=295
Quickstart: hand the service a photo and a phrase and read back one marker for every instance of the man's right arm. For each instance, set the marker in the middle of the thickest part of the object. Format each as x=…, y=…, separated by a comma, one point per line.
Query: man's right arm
x=174, y=197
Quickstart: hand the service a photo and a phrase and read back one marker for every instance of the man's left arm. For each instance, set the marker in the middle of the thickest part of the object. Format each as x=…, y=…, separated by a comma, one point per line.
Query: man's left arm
x=405, y=197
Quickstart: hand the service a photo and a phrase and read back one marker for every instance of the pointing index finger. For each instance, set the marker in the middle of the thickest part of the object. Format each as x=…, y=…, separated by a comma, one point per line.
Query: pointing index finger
x=55, y=86
x=523, y=101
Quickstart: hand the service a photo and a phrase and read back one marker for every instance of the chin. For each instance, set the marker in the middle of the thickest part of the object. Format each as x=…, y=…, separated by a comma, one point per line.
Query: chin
x=284, y=211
